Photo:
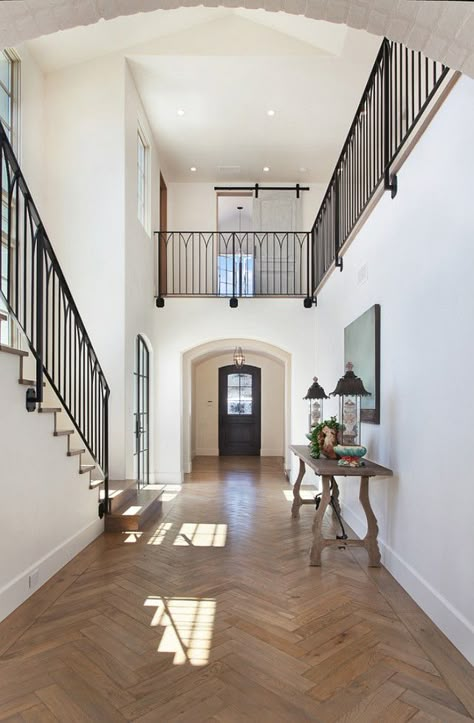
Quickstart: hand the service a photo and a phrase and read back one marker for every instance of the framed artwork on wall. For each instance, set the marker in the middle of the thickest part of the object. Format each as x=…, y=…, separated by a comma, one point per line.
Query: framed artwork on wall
x=362, y=348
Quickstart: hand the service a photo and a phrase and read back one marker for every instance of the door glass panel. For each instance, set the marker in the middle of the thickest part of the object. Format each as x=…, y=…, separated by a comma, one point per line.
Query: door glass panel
x=239, y=394
x=141, y=415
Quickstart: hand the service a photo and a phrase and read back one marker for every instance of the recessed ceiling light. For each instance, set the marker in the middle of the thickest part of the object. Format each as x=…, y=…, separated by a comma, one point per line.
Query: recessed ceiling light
x=266, y=169
x=303, y=170
x=270, y=112
x=180, y=111
x=193, y=169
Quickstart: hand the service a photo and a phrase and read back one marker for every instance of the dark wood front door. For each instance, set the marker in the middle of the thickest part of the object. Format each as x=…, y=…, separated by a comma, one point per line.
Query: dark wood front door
x=239, y=410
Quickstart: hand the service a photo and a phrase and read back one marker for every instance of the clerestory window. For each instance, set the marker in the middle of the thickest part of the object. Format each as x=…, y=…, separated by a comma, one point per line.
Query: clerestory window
x=9, y=105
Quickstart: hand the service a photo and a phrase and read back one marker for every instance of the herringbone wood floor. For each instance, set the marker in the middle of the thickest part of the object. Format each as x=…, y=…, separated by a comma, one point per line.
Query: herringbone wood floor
x=214, y=615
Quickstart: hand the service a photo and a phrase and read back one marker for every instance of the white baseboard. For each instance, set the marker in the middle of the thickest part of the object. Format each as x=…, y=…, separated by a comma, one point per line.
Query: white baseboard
x=269, y=452
x=17, y=591
x=448, y=619
x=207, y=452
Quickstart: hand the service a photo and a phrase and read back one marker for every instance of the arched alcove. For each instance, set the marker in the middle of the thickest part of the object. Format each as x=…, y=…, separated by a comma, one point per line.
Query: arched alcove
x=442, y=30
x=217, y=348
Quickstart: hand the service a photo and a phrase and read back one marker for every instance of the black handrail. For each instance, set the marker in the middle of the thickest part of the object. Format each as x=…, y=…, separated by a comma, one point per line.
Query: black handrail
x=38, y=297
x=234, y=264
x=401, y=84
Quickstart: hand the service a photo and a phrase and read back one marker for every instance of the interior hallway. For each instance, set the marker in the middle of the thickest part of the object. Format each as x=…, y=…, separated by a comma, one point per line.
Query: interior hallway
x=214, y=615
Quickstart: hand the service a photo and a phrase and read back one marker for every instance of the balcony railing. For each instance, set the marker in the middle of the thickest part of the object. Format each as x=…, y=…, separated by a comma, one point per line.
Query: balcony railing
x=401, y=85
x=233, y=264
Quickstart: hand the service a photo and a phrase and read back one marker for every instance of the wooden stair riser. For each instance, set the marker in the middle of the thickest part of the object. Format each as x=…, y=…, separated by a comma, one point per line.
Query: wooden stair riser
x=122, y=499
x=134, y=523
x=148, y=503
x=75, y=452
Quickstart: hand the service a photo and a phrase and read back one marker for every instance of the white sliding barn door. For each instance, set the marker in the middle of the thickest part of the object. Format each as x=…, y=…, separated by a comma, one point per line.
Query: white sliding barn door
x=276, y=251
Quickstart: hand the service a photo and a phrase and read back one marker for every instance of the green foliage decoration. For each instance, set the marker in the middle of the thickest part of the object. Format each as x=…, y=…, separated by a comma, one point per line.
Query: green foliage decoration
x=332, y=423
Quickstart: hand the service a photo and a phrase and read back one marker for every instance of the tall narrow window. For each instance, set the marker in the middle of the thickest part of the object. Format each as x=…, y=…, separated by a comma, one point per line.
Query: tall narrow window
x=142, y=179
x=9, y=96
x=9, y=83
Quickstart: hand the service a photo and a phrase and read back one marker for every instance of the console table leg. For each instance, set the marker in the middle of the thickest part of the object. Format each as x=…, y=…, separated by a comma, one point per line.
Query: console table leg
x=318, y=539
x=370, y=539
x=297, y=501
x=335, y=495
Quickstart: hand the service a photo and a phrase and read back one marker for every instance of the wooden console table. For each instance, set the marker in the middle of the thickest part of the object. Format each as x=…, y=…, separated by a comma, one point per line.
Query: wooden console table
x=327, y=469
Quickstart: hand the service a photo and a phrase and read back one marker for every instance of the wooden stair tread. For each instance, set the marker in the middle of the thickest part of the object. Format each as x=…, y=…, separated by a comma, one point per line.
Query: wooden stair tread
x=84, y=468
x=136, y=511
x=29, y=382
x=94, y=483
x=49, y=410
x=75, y=452
x=10, y=350
x=120, y=491
x=63, y=432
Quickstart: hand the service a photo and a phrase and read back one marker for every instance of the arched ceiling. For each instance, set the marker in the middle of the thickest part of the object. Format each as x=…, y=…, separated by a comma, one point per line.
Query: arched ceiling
x=442, y=30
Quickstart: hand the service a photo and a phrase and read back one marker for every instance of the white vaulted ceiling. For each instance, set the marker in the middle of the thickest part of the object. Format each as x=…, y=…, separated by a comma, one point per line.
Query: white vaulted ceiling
x=226, y=69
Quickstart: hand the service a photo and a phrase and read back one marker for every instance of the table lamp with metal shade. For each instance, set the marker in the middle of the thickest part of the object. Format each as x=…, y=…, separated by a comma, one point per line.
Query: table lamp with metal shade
x=315, y=394
x=350, y=389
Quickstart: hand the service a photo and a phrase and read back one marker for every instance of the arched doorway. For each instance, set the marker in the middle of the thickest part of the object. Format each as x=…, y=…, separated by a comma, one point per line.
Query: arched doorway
x=193, y=360
x=424, y=29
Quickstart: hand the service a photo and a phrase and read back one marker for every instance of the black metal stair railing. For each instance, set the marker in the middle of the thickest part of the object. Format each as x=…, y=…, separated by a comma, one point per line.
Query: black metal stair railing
x=39, y=299
x=233, y=264
x=401, y=85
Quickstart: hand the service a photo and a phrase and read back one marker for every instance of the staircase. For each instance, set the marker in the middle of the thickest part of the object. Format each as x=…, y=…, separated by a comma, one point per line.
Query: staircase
x=60, y=370
x=62, y=426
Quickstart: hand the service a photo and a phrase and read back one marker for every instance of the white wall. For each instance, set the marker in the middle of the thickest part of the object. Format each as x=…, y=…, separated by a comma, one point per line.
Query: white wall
x=139, y=257
x=84, y=179
x=107, y=256
x=48, y=513
x=206, y=404
x=419, y=254
x=192, y=206
x=187, y=323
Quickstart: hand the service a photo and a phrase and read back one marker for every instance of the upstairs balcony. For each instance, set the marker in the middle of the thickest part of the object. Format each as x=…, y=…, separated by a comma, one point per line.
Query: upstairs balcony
x=404, y=90
x=234, y=264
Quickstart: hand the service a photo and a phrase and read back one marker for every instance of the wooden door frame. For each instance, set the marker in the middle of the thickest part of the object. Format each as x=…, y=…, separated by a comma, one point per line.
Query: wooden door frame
x=163, y=228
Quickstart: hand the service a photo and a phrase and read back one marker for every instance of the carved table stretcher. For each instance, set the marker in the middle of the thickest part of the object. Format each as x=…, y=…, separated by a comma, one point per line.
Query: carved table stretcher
x=327, y=469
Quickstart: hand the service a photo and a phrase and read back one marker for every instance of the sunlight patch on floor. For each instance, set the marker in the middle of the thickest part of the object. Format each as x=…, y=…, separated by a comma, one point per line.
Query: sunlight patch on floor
x=170, y=492
x=304, y=494
x=201, y=534
x=188, y=625
x=133, y=510
x=160, y=533
x=132, y=536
